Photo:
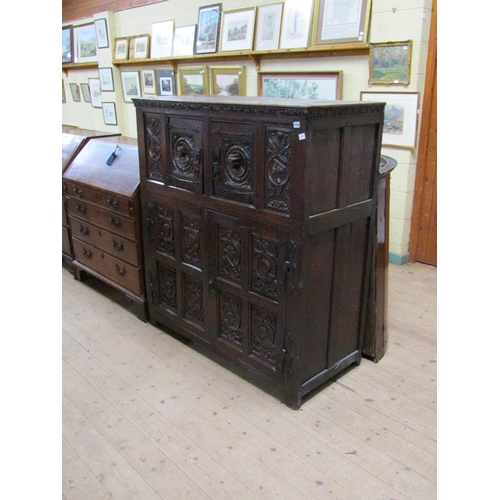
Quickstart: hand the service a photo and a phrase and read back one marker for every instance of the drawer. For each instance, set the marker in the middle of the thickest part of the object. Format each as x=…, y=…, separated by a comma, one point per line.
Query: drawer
x=65, y=222
x=109, y=242
x=117, y=270
x=103, y=218
x=112, y=201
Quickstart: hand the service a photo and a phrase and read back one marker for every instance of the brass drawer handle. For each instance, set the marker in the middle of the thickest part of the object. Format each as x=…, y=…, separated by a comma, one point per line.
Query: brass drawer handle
x=78, y=192
x=121, y=271
x=119, y=247
x=113, y=203
x=84, y=230
x=115, y=222
x=82, y=209
x=87, y=253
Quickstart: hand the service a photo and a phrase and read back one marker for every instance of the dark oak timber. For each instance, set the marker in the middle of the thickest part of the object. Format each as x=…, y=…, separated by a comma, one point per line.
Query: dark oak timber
x=258, y=223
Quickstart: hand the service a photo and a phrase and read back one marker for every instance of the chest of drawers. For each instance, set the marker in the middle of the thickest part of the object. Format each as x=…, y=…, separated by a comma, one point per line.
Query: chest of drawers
x=103, y=207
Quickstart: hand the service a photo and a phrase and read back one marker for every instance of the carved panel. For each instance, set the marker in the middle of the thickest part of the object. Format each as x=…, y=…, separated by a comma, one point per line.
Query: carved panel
x=167, y=289
x=191, y=244
x=263, y=336
x=166, y=233
x=230, y=318
x=230, y=254
x=265, y=253
x=278, y=169
x=193, y=299
x=153, y=148
x=185, y=159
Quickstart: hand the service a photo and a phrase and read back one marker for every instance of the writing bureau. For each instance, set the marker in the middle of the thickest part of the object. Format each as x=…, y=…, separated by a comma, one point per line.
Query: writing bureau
x=104, y=215
x=258, y=225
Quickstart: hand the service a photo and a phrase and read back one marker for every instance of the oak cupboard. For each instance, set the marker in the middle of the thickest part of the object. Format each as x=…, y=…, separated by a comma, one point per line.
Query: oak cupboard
x=258, y=221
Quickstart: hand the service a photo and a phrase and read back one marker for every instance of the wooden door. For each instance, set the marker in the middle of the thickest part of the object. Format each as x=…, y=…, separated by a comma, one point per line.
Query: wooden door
x=423, y=239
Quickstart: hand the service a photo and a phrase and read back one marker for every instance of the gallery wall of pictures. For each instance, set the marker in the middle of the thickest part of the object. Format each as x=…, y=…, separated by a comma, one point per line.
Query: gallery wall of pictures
x=163, y=61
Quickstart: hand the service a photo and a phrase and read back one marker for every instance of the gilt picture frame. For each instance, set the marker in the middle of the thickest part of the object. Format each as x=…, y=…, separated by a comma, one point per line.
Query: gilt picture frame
x=238, y=29
x=390, y=63
x=228, y=80
x=193, y=81
x=295, y=28
x=400, y=116
x=139, y=47
x=268, y=26
x=120, y=52
x=85, y=43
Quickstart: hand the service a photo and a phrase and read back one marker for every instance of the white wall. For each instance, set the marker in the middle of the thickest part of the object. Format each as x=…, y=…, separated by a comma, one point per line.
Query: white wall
x=391, y=20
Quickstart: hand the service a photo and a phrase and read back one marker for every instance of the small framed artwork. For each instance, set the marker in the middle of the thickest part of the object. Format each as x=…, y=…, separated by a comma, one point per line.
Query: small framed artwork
x=165, y=82
x=139, y=47
x=131, y=85
x=85, y=92
x=207, y=38
x=106, y=79
x=162, y=38
x=184, y=38
x=85, y=43
x=268, y=29
x=109, y=113
x=228, y=81
x=400, y=116
x=120, y=52
x=296, y=22
x=101, y=31
x=390, y=63
x=193, y=81
x=325, y=86
x=63, y=92
x=343, y=21
x=148, y=81
x=75, y=92
x=238, y=29
x=67, y=44
x=95, y=92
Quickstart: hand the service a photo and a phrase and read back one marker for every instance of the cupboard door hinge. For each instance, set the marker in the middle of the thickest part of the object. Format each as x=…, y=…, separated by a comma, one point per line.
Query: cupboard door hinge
x=287, y=353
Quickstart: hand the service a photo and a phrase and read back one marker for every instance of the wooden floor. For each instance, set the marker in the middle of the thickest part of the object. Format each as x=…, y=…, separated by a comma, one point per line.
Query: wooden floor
x=145, y=416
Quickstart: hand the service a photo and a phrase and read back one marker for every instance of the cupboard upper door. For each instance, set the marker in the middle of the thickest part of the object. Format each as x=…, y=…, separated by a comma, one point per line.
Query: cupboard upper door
x=184, y=167
x=246, y=274
x=233, y=161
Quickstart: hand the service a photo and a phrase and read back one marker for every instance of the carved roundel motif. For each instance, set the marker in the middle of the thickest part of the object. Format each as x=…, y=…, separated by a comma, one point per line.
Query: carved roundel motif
x=237, y=164
x=182, y=154
x=278, y=172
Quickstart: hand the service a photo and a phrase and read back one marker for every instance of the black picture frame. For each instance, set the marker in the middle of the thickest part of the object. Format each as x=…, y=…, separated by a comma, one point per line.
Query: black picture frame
x=67, y=45
x=207, y=35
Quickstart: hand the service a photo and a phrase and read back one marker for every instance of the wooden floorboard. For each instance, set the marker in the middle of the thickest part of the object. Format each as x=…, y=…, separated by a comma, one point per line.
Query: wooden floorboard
x=145, y=416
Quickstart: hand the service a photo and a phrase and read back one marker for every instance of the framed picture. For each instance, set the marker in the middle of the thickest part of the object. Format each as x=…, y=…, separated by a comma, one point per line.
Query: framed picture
x=238, y=29
x=85, y=43
x=148, y=81
x=67, y=44
x=101, y=31
x=207, y=38
x=109, y=113
x=400, y=116
x=95, y=92
x=296, y=22
x=228, y=81
x=139, y=47
x=193, y=81
x=165, y=82
x=75, y=92
x=326, y=86
x=120, y=52
x=63, y=92
x=131, y=85
x=341, y=21
x=85, y=91
x=268, y=30
x=184, y=38
x=106, y=79
x=162, y=38
x=390, y=63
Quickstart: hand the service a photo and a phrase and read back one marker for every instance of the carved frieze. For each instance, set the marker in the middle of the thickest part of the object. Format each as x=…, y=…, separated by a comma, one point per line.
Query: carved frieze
x=278, y=169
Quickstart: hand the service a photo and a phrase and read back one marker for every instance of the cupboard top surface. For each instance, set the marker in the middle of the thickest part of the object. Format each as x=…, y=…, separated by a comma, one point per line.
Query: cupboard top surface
x=220, y=103
x=90, y=168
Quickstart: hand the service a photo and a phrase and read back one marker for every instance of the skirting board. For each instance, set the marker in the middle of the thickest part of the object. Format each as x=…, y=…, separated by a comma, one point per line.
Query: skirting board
x=398, y=259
